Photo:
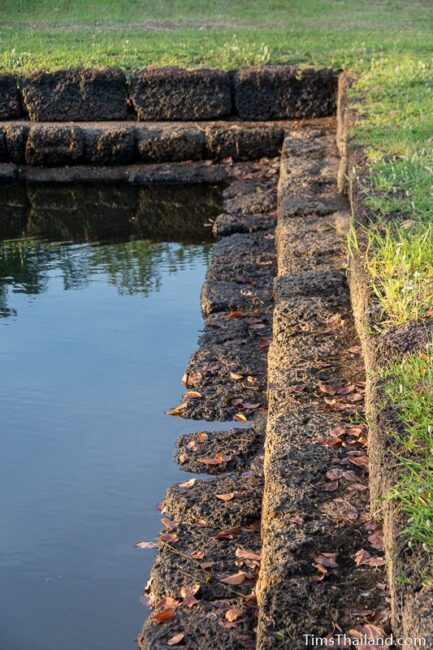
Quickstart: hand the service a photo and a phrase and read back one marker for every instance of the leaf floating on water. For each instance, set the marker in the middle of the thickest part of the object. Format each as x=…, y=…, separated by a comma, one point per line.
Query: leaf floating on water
x=146, y=545
x=233, y=614
x=240, y=417
x=188, y=484
x=176, y=639
x=177, y=410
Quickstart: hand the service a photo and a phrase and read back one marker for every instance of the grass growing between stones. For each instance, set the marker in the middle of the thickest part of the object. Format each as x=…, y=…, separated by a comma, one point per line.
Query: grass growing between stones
x=408, y=385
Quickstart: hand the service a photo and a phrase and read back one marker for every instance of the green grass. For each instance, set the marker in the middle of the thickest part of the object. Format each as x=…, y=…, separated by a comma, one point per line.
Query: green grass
x=408, y=385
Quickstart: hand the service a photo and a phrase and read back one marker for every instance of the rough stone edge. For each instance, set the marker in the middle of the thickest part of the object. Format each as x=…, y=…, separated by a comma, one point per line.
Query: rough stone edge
x=21, y=81
x=411, y=605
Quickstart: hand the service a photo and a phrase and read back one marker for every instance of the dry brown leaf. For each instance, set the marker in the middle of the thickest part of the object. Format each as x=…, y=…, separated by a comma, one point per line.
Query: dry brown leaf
x=226, y=497
x=202, y=436
x=297, y=519
x=227, y=533
x=188, y=484
x=233, y=614
x=334, y=474
x=168, y=523
x=376, y=540
x=176, y=639
x=361, y=556
x=244, y=554
x=236, y=314
x=236, y=376
x=146, y=545
x=177, y=409
x=328, y=389
x=328, y=560
x=192, y=394
x=164, y=616
x=359, y=461
x=235, y=579
x=240, y=417
x=330, y=486
x=168, y=603
x=168, y=538
x=183, y=457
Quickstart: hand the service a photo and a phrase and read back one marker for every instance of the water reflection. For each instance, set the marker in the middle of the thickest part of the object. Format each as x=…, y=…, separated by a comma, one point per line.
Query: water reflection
x=148, y=225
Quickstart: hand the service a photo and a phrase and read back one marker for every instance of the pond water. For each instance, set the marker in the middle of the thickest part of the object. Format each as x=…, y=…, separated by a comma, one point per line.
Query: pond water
x=99, y=312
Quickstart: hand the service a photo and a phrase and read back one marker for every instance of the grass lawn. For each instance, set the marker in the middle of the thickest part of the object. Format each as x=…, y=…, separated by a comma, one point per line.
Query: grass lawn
x=386, y=44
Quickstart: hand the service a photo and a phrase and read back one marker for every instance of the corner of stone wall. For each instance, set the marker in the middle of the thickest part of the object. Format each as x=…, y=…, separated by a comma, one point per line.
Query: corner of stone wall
x=411, y=601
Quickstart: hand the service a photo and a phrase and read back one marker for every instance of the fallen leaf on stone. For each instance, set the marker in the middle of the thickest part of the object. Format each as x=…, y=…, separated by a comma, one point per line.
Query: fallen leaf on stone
x=368, y=632
x=207, y=565
x=188, y=595
x=168, y=602
x=168, y=538
x=227, y=533
x=183, y=457
x=330, y=486
x=218, y=459
x=164, y=616
x=345, y=510
x=201, y=522
x=334, y=474
x=346, y=390
x=355, y=349
x=322, y=570
x=177, y=410
x=202, y=436
x=236, y=314
x=356, y=429
x=328, y=560
x=376, y=540
x=240, y=417
x=188, y=484
x=328, y=389
x=227, y=624
x=192, y=394
x=146, y=545
x=296, y=519
x=168, y=523
x=233, y=614
x=192, y=445
x=160, y=506
x=355, y=397
x=350, y=475
x=236, y=376
x=359, y=487
x=338, y=432
x=176, y=639
x=244, y=554
x=361, y=556
x=226, y=497
x=376, y=562
x=359, y=461
x=235, y=579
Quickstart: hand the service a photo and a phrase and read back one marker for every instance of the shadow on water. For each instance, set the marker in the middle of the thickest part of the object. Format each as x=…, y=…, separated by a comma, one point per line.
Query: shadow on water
x=100, y=293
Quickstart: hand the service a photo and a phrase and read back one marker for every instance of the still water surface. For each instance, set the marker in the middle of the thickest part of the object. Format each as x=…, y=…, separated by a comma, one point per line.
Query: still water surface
x=95, y=333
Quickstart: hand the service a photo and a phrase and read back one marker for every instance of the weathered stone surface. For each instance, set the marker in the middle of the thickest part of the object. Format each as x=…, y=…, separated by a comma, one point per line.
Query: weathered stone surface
x=51, y=146
x=109, y=146
x=82, y=94
x=10, y=103
x=173, y=144
x=281, y=91
x=243, y=143
x=177, y=94
x=229, y=224
x=15, y=141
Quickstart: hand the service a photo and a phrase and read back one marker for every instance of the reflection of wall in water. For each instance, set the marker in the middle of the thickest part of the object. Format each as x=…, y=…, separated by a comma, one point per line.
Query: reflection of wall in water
x=141, y=220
